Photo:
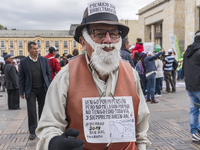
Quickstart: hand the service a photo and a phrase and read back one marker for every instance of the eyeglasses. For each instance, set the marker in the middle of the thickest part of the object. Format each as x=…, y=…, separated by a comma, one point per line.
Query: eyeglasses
x=100, y=33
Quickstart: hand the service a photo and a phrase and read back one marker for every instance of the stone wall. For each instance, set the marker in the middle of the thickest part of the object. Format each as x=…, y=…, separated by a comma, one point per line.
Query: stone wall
x=172, y=16
x=133, y=32
x=190, y=10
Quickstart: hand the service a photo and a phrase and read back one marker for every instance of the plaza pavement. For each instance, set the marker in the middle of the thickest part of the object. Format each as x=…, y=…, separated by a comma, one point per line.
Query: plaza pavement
x=169, y=124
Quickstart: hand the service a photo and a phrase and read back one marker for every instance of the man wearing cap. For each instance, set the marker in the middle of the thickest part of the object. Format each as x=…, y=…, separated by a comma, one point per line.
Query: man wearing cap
x=168, y=67
x=11, y=79
x=54, y=64
x=125, y=53
x=95, y=77
x=191, y=67
x=34, y=80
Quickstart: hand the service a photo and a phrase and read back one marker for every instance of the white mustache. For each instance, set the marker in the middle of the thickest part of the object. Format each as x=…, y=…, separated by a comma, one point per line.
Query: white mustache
x=108, y=46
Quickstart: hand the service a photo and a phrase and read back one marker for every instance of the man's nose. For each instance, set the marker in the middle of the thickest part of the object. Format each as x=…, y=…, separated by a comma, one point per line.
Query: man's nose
x=107, y=39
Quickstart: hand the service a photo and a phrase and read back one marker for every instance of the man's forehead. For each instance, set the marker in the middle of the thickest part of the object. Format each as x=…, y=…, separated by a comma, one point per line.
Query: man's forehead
x=102, y=26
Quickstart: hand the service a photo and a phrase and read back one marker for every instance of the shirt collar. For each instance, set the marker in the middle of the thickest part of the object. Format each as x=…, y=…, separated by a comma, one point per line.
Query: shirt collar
x=33, y=59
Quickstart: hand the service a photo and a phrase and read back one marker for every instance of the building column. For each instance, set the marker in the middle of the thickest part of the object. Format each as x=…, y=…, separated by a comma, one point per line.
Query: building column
x=152, y=33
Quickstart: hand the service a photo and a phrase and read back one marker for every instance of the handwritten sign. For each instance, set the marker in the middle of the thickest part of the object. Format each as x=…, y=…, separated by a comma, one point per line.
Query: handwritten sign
x=108, y=120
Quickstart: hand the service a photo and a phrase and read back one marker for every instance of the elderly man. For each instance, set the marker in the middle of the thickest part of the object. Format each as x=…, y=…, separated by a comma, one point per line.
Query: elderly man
x=11, y=78
x=125, y=53
x=90, y=104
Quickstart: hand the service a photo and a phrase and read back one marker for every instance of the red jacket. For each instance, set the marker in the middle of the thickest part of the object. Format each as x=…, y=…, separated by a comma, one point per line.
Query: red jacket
x=139, y=47
x=54, y=64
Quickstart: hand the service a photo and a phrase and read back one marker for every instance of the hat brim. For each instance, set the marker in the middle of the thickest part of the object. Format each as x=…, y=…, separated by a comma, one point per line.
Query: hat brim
x=121, y=27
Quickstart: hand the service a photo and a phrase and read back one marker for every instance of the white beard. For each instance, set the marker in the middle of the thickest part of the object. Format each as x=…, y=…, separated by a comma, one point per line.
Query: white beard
x=103, y=62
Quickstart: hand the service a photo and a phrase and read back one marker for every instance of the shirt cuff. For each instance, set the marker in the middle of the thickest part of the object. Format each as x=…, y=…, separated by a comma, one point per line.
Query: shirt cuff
x=141, y=146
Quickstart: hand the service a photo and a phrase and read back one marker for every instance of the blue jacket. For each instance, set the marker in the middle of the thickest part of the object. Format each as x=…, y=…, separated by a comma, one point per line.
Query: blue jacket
x=25, y=77
x=126, y=55
x=149, y=62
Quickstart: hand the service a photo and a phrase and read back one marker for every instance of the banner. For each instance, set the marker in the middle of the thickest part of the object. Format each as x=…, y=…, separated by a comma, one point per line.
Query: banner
x=175, y=45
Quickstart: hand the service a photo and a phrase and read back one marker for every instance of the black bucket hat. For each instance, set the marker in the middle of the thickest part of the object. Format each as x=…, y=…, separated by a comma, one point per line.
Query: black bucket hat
x=97, y=18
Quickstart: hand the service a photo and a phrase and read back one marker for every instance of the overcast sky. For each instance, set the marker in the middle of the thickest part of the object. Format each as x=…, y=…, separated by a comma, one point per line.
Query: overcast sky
x=57, y=14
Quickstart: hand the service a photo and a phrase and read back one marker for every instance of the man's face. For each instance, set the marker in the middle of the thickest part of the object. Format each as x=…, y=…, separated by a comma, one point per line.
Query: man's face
x=54, y=53
x=106, y=40
x=65, y=57
x=127, y=46
x=33, y=51
x=10, y=59
x=102, y=43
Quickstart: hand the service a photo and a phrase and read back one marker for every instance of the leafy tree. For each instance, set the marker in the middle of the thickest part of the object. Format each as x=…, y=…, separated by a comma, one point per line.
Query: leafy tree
x=2, y=27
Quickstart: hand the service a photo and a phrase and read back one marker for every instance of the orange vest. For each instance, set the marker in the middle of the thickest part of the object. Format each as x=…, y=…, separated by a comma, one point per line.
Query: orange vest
x=81, y=85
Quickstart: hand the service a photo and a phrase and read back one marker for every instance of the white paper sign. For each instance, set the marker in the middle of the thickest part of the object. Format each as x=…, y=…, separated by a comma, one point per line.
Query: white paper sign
x=148, y=47
x=100, y=7
x=108, y=120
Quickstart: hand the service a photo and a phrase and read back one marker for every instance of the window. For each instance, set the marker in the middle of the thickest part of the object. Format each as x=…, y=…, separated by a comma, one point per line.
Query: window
x=2, y=43
x=20, y=44
x=47, y=51
x=47, y=44
x=66, y=51
x=21, y=52
x=65, y=44
x=56, y=44
x=74, y=44
x=38, y=43
x=12, y=52
x=2, y=52
x=11, y=44
x=39, y=52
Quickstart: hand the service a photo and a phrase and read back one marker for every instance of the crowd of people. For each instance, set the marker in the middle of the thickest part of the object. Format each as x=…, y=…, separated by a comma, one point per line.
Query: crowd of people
x=32, y=76
x=110, y=68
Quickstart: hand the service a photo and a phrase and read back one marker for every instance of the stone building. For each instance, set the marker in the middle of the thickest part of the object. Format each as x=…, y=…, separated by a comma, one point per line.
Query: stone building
x=163, y=17
x=133, y=32
x=15, y=42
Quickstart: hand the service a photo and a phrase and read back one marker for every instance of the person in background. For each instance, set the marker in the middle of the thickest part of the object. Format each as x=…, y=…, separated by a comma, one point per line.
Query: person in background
x=159, y=76
x=175, y=65
x=138, y=48
x=34, y=80
x=11, y=78
x=125, y=53
x=68, y=57
x=75, y=52
x=150, y=67
x=142, y=71
x=64, y=58
x=179, y=69
x=191, y=70
x=57, y=56
x=2, y=76
x=168, y=67
x=54, y=64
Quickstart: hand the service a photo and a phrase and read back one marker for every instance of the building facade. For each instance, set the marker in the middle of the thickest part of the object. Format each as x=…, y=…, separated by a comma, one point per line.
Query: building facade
x=15, y=42
x=163, y=17
x=133, y=30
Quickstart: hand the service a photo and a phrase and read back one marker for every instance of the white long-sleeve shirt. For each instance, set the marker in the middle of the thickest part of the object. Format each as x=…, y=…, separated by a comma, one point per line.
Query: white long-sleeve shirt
x=52, y=122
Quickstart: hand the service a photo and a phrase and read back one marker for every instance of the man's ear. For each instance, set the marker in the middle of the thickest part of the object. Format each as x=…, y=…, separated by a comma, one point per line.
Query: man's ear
x=82, y=42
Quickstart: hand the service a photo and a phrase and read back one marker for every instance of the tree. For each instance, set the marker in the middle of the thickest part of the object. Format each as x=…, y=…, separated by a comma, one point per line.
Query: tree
x=2, y=27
